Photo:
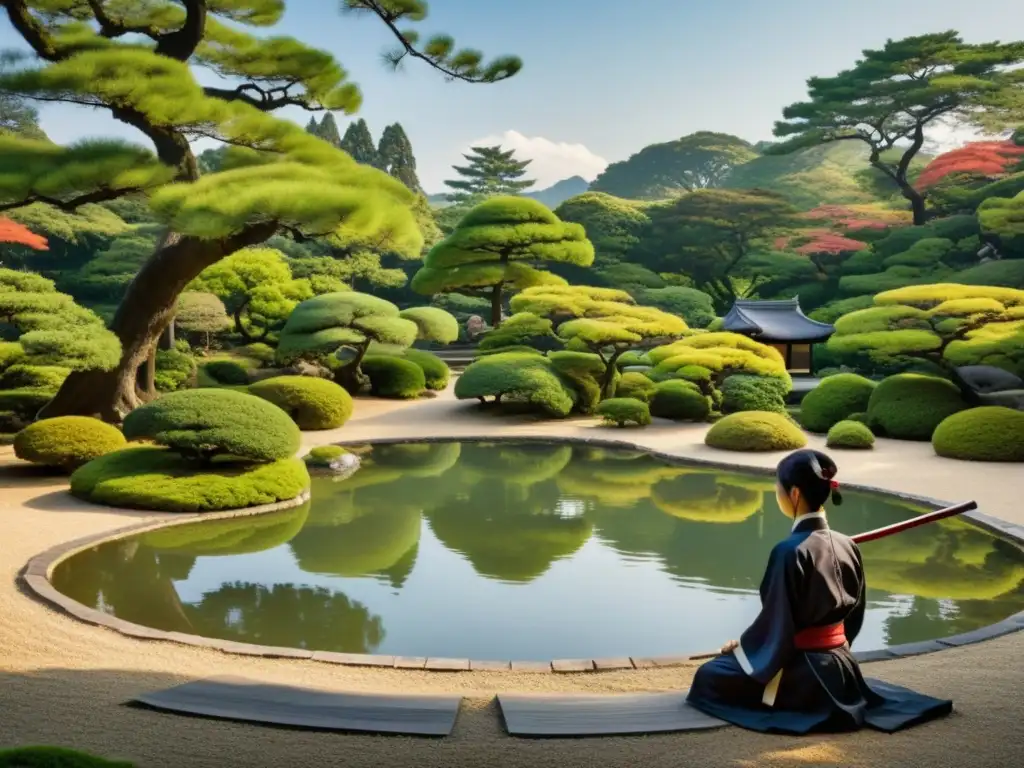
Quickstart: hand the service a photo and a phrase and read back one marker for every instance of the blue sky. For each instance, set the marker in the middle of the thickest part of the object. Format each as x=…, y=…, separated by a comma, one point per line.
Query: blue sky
x=602, y=78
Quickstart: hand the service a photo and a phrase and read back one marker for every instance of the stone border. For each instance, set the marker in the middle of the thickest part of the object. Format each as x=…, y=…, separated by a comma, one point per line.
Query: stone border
x=37, y=574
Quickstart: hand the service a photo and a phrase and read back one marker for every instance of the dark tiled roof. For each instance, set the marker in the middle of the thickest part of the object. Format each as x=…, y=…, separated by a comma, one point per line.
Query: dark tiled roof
x=781, y=320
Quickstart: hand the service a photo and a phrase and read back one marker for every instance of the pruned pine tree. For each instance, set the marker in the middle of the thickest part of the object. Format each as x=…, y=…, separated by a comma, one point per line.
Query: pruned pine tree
x=491, y=172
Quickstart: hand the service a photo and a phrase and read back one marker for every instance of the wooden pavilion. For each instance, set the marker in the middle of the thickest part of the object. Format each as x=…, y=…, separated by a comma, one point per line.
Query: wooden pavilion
x=780, y=324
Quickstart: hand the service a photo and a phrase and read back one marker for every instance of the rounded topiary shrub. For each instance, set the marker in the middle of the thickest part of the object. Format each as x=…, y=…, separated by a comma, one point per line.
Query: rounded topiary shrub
x=227, y=372
x=55, y=757
x=67, y=442
x=988, y=433
x=324, y=455
x=909, y=406
x=262, y=353
x=635, y=385
x=849, y=434
x=836, y=398
x=624, y=411
x=753, y=393
x=436, y=372
x=174, y=370
x=311, y=402
x=394, y=377
x=204, y=423
x=680, y=401
x=756, y=431
x=155, y=478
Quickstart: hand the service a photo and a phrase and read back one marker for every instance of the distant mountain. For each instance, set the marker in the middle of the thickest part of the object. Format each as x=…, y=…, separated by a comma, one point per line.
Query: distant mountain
x=552, y=196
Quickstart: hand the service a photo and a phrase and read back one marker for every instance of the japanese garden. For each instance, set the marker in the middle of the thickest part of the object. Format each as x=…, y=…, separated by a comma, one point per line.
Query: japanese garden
x=273, y=408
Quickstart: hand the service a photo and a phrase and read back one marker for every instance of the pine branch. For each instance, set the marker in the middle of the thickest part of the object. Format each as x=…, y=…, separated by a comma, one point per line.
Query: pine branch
x=182, y=43
x=263, y=99
x=70, y=206
x=34, y=33
x=111, y=27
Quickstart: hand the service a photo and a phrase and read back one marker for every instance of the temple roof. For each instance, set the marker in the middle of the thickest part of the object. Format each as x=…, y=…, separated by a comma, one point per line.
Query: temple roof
x=778, y=321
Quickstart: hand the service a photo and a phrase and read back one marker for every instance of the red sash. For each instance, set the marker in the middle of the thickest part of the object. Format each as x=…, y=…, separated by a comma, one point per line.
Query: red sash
x=820, y=638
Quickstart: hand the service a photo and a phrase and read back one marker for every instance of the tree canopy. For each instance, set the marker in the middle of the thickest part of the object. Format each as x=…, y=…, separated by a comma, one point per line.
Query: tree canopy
x=496, y=246
x=892, y=95
x=490, y=172
x=984, y=159
x=397, y=157
x=658, y=171
x=358, y=142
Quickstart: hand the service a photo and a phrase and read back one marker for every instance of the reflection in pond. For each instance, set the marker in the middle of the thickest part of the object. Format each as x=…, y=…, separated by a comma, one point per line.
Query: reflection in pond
x=526, y=550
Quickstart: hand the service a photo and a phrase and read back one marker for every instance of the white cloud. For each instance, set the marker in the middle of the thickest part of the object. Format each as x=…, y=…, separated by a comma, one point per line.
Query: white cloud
x=552, y=160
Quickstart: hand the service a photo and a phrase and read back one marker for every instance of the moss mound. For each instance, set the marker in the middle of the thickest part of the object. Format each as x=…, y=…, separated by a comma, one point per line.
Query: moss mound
x=623, y=411
x=312, y=403
x=989, y=433
x=203, y=423
x=55, y=757
x=323, y=455
x=520, y=377
x=680, y=401
x=836, y=398
x=155, y=478
x=850, y=434
x=394, y=377
x=755, y=431
x=909, y=406
x=752, y=393
x=67, y=442
x=636, y=386
x=226, y=372
x=436, y=372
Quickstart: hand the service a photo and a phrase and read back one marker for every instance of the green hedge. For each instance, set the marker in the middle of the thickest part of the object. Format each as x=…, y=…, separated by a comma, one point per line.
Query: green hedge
x=755, y=431
x=988, y=433
x=753, y=393
x=203, y=423
x=635, y=385
x=67, y=442
x=312, y=403
x=394, y=377
x=849, y=434
x=226, y=372
x=436, y=373
x=55, y=757
x=680, y=401
x=623, y=411
x=909, y=406
x=836, y=398
x=155, y=478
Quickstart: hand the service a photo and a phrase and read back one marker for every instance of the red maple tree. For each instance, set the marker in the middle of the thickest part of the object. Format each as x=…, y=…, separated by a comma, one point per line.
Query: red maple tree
x=853, y=218
x=15, y=233
x=979, y=158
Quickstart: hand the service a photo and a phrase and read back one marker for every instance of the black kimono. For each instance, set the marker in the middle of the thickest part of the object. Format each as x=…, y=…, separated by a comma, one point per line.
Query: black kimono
x=793, y=671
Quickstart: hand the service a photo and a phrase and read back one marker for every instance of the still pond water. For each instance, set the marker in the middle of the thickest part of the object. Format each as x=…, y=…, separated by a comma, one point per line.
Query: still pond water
x=527, y=550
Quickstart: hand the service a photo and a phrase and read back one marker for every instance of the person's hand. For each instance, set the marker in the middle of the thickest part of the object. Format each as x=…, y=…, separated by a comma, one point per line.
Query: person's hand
x=730, y=646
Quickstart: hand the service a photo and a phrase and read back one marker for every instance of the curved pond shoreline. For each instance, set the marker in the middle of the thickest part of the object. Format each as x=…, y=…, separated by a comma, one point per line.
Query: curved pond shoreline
x=37, y=577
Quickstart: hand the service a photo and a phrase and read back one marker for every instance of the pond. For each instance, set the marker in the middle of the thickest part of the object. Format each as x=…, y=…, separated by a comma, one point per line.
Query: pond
x=531, y=551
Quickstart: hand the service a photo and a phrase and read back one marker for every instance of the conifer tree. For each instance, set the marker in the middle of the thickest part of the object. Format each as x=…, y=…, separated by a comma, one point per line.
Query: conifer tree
x=358, y=142
x=397, y=157
x=312, y=126
x=135, y=61
x=492, y=171
x=328, y=131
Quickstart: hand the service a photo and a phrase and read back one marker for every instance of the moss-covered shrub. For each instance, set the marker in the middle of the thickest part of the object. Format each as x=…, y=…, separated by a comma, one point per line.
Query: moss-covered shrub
x=632, y=357
x=174, y=370
x=151, y=477
x=624, y=411
x=323, y=455
x=55, y=757
x=312, y=403
x=635, y=385
x=989, y=433
x=436, y=372
x=21, y=376
x=226, y=372
x=204, y=423
x=67, y=442
x=849, y=434
x=753, y=393
x=835, y=399
x=521, y=330
x=680, y=401
x=584, y=372
x=520, y=377
x=909, y=406
x=755, y=431
x=394, y=377
x=861, y=416
x=260, y=352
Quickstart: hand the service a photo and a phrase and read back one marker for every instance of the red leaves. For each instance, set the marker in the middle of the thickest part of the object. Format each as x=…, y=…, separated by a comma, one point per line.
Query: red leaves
x=978, y=158
x=13, y=232
x=852, y=218
x=825, y=241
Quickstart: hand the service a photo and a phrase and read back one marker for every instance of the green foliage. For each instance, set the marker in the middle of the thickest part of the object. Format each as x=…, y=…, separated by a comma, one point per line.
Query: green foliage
x=206, y=423
x=1003, y=220
x=261, y=353
x=67, y=442
x=849, y=434
x=910, y=406
x=10, y=353
x=722, y=353
x=227, y=372
x=24, y=402
x=55, y=757
x=158, y=479
x=517, y=377
x=754, y=393
x=836, y=309
x=200, y=312
x=46, y=377
x=436, y=372
x=106, y=277
x=659, y=171
x=310, y=402
x=633, y=357
x=636, y=386
x=695, y=307
x=989, y=433
x=755, y=431
x=624, y=411
x=394, y=377
x=585, y=371
x=491, y=172
x=1005, y=272
x=680, y=401
x=174, y=370
x=522, y=329
x=357, y=141
x=434, y=324
x=397, y=157
x=835, y=399
x=613, y=225
x=324, y=455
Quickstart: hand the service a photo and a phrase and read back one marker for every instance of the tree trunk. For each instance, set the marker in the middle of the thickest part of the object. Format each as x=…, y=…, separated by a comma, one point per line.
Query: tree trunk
x=239, y=327
x=349, y=377
x=609, y=374
x=917, y=205
x=167, y=340
x=148, y=306
x=496, y=306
